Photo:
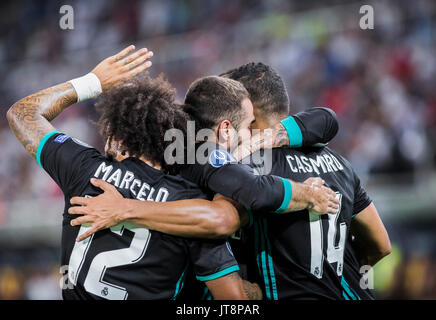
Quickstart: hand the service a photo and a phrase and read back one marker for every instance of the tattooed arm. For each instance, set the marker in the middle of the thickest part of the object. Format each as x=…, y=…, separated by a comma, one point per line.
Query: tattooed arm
x=30, y=117
x=252, y=290
x=274, y=137
x=314, y=126
x=228, y=287
x=232, y=287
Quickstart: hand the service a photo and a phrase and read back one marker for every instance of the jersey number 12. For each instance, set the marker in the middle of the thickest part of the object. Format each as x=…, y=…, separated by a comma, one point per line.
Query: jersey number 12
x=94, y=281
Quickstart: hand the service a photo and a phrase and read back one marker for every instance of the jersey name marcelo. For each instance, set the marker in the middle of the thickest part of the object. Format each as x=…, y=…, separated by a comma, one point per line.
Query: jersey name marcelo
x=125, y=179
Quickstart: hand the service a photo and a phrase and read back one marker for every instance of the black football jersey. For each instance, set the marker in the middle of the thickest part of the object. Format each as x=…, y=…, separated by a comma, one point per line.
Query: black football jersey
x=300, y=255
x=126, y=261
x=215, y=171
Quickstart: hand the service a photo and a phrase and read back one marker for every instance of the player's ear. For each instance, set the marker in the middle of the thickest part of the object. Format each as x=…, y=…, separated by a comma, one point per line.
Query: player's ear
x=122, y=154
x=223, y=130
x=122, y=151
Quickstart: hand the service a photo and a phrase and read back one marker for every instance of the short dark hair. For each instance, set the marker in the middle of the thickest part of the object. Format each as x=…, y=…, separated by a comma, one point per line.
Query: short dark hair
x=138, y=114
x=265, y=86
x=212, y=99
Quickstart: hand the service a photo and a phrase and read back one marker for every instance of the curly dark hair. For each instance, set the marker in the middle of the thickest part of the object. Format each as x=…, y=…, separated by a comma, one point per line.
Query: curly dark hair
x=138, y=114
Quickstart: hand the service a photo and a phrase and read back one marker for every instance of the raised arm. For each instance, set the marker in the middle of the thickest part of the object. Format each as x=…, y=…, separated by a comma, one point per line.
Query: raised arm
x=30, y=117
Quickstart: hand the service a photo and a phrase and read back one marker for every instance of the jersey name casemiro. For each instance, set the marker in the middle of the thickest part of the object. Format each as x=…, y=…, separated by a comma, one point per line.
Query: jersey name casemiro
x=126, y=261
x=300, y=255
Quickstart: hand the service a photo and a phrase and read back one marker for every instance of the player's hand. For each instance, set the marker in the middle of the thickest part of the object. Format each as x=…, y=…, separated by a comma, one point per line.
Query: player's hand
x=103, y=211
x=323, y=199
x=122, y=67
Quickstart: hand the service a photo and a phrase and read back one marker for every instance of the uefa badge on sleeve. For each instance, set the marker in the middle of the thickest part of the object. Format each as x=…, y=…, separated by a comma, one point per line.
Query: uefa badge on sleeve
x=219, y=158
x=61, y=139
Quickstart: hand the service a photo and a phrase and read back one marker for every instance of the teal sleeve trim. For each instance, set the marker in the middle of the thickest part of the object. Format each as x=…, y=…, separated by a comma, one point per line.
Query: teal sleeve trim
x=41, y=145
x=287, y=197
x=294, y=132
x=219, y=274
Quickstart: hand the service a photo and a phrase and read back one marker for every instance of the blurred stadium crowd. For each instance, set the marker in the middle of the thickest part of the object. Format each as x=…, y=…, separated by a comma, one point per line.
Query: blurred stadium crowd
x=380, y=82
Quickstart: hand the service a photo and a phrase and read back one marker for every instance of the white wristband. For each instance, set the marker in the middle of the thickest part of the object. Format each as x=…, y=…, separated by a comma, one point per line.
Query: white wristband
x=86, y=87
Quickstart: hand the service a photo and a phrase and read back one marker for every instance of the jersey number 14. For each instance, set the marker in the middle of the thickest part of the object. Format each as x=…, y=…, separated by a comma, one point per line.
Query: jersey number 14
x=334, y=253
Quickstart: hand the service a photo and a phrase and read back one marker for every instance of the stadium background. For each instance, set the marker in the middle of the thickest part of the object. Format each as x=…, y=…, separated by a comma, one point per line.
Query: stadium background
x=380, y=82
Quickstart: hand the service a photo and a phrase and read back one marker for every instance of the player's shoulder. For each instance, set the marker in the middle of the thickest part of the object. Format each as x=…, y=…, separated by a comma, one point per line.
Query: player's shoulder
x=69, y=161
x=320, y=156
x=342, y=159
x=56, y=140
x=179, y=187
x=61, y=138
x=61, y=151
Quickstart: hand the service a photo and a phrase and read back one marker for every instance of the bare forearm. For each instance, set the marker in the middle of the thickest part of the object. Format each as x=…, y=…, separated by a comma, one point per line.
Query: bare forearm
x=30, y=117
x=301, y=196
x=187, y=218
x=229, y=287
x=313, y=195
x=252, y=290
x=244, y=217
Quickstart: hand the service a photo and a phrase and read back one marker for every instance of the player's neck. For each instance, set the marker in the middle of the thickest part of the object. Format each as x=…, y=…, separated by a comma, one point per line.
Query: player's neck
x=150, y=163
x=268, y=122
